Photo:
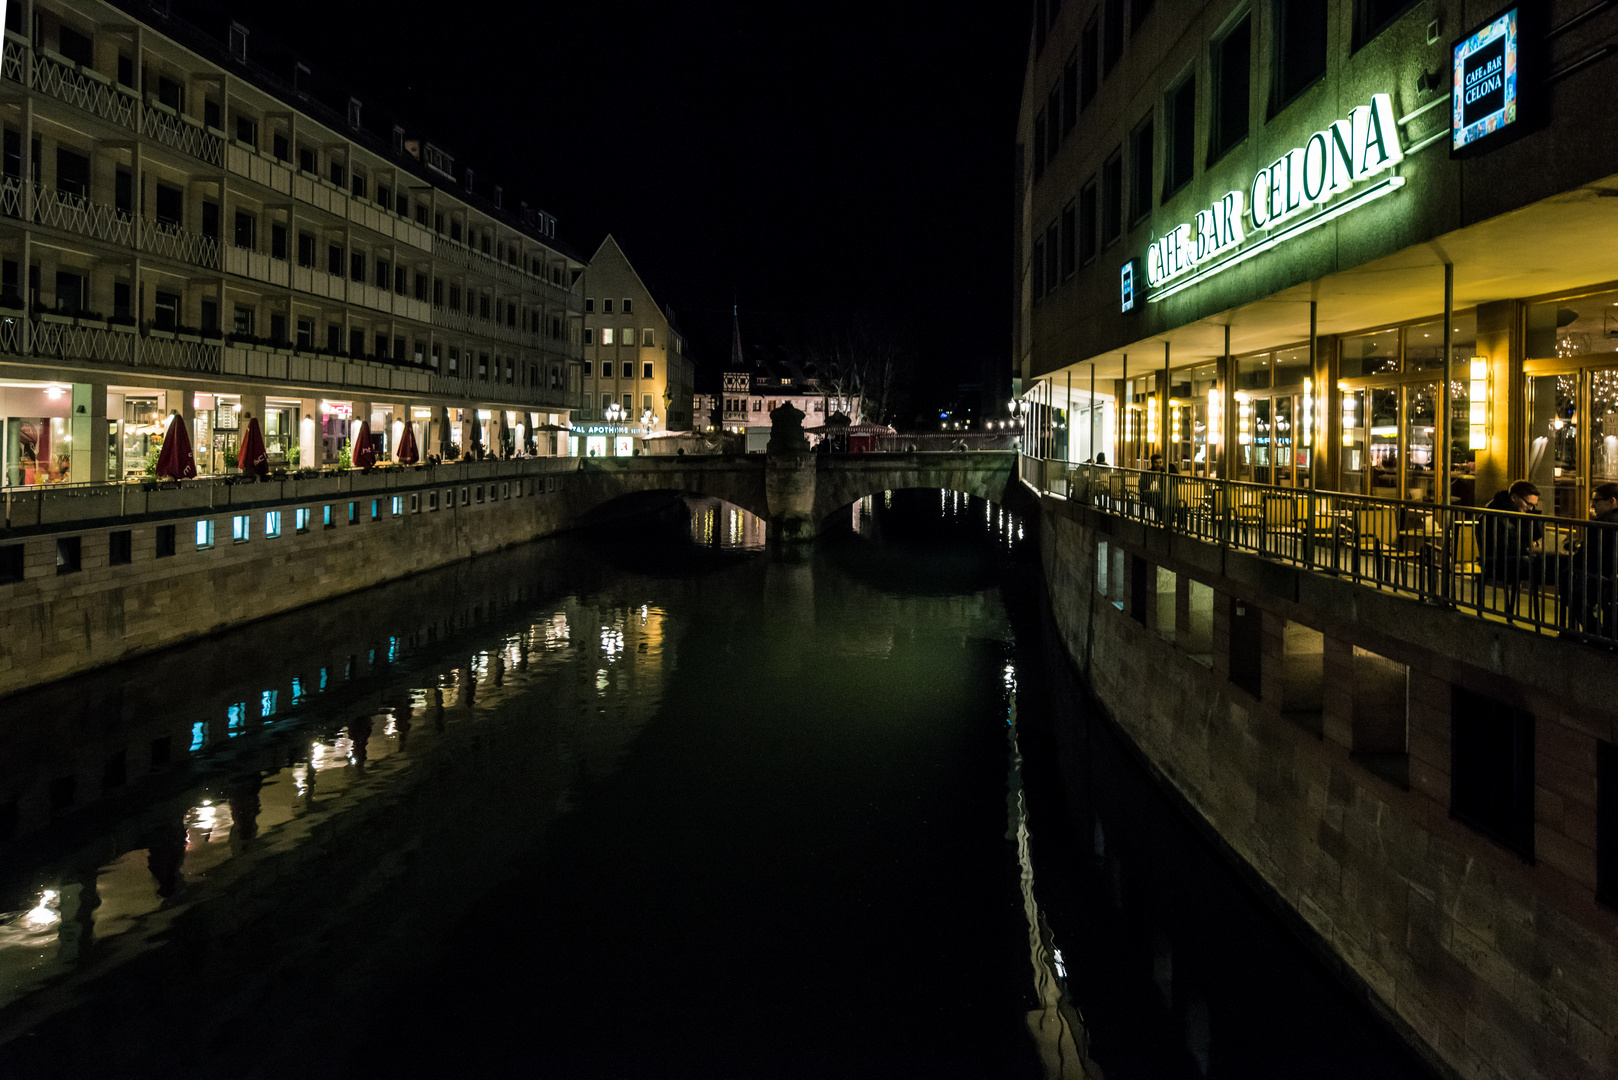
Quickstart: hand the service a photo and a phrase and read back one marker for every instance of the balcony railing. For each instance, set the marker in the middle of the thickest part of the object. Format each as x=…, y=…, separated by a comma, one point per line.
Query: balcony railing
x=70, y=213
x=183, y=134
x=173, y=242
x=1550, y=575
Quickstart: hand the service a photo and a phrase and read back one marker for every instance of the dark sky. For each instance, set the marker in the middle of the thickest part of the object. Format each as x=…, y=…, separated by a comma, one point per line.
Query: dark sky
x=823, y=162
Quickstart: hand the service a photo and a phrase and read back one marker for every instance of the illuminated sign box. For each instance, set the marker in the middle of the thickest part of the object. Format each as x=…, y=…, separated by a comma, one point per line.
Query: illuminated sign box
x=1484, y=100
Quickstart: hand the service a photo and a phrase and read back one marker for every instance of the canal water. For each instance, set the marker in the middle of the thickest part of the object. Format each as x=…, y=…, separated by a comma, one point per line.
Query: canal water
x=649, y=801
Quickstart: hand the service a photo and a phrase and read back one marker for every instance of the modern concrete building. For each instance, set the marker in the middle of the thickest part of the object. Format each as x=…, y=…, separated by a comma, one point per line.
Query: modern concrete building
x=186, y=230
x=1345, y=265
x=638, y=376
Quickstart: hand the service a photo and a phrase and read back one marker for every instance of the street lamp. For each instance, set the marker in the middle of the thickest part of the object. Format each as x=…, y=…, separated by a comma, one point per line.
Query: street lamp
x=614, y=413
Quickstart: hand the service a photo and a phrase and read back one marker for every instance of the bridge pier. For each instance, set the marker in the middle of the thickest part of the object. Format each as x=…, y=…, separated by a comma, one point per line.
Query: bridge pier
x=789, y=494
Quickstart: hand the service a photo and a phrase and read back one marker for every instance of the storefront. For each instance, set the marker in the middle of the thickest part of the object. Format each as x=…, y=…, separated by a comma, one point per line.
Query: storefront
x=36, y=445
x=136, y=421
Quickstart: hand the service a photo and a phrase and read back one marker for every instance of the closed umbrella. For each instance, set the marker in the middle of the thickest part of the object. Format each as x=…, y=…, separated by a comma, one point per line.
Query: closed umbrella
x=407, y=454
x=252, y=458
x=363, y=456
x=175, y=460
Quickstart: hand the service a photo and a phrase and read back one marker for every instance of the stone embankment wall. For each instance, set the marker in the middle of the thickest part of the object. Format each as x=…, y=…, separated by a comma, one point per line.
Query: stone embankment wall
x=76, y=606
x=1307, y=720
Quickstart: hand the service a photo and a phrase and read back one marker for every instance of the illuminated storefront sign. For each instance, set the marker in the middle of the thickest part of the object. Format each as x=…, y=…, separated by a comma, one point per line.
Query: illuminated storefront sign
x=1485, y=95
x=1351, y=152
x=1126, y=287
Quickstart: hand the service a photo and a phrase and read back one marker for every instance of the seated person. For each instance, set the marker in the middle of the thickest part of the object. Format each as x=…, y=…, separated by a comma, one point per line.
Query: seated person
x=1512, y=545
x=1589, y=581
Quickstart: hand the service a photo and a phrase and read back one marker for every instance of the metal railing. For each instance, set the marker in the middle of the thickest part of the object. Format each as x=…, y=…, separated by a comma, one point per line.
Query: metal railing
x=1550, y=575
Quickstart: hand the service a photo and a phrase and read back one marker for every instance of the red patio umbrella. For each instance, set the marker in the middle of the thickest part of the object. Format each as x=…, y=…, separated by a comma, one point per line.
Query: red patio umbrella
x=363, y=456
x=407, y=454
x=252, y=458
x=175, y=460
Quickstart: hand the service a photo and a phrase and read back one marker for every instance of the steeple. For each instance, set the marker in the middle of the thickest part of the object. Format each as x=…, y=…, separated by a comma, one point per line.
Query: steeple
x=736, y=361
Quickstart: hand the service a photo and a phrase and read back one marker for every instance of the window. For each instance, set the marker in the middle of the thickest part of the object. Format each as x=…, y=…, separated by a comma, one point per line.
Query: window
x=1070, y=92
x=306, y=332
x=606, y=306
x=589, y=335
x=1037, y=266
x=1052, y=249
x=72, y=173
x=478, y=494
x=646, y=370
x=398, y=505
x=629, y=369
x=606, y=403
x=589, y=369
x=75, y=46
x=306, y=249
x=165, y=541
x=120, y=548
x=1492, y=769
x=1112, y=198
x=67, y=554
x=589, y=305
x=1112, y=48
x=354, y=513
x=1039, y=145
x=1371, y=17
x=1053, y=118
x=204, y=535
x=376, y=510
x=648, y=340
x=272, y=524
x=629, y=306
x=1087, y=222
x=1138, y=10
x=606, y=335
x=242, y=321
x=1180, y=129
x=210, y=219
x=328, y=516
x=334, y=260
x=1070, y=238
x=239, y=529
x=356, y=266
x=123, y=191
x=300, y=519
x=170, y=208
x=1300, y=49
x=1140, y=171
x=1089, y=61
x=1232, y=71
x=278, y=240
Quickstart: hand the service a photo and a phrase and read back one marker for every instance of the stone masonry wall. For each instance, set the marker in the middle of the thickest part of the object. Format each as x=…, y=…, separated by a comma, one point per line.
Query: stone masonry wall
x=1493, y=967
x=55, y=624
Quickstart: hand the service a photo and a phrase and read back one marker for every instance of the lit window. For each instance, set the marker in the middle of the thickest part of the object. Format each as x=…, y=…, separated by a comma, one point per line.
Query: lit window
x=272, y=524
x=239, y=528
x=376, y=509
x=301, y=519
x=398, y=505
x=328, y=520
x=606, y=335
x=204, y=535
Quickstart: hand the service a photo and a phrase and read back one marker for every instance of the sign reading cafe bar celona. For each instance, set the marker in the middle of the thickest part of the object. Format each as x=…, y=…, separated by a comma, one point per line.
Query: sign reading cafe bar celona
x=1331, y=162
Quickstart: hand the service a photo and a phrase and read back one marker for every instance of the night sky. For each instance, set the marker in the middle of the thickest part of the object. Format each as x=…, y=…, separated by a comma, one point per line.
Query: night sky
x=825, y=164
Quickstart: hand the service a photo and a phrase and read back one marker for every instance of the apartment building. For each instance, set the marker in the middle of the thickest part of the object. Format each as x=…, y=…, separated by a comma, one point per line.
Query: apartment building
x=183, y=229
x=638, y=376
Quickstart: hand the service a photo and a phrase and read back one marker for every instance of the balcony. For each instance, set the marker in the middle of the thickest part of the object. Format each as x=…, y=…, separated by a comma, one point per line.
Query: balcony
x=162, y=124
x=172, y=242
x=70, y=213
x=1473, y=560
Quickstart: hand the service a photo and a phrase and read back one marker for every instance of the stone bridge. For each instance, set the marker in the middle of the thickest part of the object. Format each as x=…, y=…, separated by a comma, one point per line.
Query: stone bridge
x=796, y=493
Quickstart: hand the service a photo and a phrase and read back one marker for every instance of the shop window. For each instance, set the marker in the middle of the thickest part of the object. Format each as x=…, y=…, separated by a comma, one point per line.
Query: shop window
x=240, y=528
x=1232, y=73
x=165, y=541
x=1492, y=769
x=67, y=554
x=204, y=535
x=1180, y=135
x=272, y=524
x=120, y=547
x=11, y=563
x=300, y=519
x=1300, y=49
